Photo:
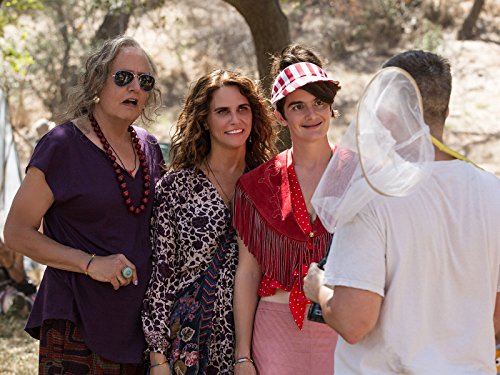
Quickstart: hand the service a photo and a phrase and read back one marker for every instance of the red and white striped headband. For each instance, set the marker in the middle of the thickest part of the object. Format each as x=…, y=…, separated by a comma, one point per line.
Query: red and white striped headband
x=295, y=76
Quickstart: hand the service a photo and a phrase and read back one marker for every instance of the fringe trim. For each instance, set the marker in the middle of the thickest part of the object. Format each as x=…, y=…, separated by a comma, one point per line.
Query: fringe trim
x=278, y=255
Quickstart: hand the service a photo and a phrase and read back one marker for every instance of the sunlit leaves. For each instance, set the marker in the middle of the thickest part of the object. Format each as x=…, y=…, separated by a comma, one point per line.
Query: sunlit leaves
x=18, y=61
x=15, y=58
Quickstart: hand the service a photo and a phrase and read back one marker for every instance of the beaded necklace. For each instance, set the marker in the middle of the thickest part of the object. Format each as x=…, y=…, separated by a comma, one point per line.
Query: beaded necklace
x=120, y=178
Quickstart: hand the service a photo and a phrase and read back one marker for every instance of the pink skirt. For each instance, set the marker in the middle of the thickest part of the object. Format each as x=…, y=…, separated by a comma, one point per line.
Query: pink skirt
x=280, y=348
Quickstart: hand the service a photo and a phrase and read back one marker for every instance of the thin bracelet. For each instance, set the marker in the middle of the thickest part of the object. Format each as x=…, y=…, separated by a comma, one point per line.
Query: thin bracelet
x=243, y=359
x=88, y=265
x=159, y=364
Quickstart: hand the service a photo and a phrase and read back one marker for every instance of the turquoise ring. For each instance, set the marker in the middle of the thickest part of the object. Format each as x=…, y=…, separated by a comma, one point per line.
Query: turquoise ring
x=127, y=272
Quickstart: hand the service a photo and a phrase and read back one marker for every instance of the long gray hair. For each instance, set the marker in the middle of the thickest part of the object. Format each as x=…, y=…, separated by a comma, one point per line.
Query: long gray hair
x=91, y=82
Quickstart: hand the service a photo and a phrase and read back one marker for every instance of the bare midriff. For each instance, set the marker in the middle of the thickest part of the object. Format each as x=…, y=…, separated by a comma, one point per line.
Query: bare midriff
x=280, y=296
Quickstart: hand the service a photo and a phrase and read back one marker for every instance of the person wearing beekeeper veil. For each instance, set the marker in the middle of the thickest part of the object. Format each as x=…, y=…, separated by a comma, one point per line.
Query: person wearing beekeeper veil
x=411, y=282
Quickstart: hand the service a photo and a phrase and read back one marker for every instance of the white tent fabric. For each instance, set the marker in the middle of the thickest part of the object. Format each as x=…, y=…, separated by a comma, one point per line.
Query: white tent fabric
x=11, y=176
x=10, y=170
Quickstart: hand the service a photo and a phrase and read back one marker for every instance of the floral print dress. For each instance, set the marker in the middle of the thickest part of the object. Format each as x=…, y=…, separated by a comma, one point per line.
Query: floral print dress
x=189, y=217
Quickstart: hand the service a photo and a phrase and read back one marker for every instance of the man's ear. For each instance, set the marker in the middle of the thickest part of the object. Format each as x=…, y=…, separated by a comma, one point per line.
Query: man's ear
x=447, y=113
x=280, y=118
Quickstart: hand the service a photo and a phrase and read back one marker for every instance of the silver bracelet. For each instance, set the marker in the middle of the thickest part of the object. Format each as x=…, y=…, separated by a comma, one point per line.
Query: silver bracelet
x=243, y=359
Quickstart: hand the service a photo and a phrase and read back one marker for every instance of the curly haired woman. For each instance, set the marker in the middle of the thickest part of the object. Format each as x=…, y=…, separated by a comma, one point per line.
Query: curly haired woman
x=224, y=129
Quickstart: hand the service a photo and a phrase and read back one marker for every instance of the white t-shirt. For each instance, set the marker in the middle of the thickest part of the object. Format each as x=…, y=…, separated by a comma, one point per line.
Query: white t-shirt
x=435, y=257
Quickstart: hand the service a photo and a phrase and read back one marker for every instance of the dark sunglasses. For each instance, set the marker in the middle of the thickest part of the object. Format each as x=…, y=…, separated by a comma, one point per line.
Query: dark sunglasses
x=124, y=77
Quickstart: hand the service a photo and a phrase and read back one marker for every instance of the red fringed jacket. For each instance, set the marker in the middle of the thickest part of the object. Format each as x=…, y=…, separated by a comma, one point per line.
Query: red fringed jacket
x=263, y=215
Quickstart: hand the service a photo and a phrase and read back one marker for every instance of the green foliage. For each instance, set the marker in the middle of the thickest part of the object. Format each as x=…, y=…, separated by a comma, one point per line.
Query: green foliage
x=432, y=37
x=18, y=61
x=350, y=25
x=68, y=27
x=381, y=22
x=45, y=57
x=12, y=9
x=14, y=55
x=23, y=5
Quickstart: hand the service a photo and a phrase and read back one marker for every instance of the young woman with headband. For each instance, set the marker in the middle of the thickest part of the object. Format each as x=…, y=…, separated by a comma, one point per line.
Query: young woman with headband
x=279, y=233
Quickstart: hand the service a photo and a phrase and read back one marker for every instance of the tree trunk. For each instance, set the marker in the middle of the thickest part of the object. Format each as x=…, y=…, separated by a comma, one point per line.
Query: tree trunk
x=116, y=21
x=469, y=25
x=68, y=72
x=270, y=32
x=114, y=24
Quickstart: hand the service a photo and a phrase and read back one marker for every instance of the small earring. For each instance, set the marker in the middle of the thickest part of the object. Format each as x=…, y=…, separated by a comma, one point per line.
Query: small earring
x=96, y=99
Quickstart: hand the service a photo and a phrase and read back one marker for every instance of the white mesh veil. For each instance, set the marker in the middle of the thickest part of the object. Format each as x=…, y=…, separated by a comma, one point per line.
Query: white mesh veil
x=387, y=149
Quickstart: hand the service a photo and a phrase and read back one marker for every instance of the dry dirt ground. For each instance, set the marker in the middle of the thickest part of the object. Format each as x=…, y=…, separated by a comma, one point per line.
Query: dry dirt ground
x=475, y=104
x=18, y=351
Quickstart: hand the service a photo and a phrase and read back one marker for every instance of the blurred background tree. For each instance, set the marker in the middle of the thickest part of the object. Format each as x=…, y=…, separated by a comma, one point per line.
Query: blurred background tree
x=469, y=26
x=43, y=42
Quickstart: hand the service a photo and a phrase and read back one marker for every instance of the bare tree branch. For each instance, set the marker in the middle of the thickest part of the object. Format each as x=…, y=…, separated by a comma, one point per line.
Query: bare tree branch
x=270, y=31
x=469, y=25
x=113, y=24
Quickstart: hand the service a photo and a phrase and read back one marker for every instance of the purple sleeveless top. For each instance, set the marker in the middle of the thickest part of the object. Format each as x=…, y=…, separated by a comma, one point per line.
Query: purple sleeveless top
x=89, y=214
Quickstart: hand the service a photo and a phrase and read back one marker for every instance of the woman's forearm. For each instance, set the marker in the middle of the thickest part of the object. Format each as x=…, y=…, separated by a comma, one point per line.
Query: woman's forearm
x=42, y=249
x=248, y=276
x=245, y=304
x=21, y=234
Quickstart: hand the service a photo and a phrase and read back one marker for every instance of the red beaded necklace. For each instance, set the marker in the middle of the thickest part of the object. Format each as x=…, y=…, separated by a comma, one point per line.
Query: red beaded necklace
x=119, y=172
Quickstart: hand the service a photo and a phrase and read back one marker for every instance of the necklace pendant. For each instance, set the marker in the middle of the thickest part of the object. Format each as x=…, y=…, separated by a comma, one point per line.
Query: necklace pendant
x=119, y=172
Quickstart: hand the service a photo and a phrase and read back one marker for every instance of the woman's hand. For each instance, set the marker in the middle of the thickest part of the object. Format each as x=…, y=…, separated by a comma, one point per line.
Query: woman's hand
x=21, y=234
x=246, y=284
x=109, y=269
x=245, y=368
x=162, y=368
x=313, y=282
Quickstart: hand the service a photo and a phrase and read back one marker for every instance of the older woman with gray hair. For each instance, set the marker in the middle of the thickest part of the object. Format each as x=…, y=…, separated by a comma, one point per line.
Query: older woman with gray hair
x=91, y=180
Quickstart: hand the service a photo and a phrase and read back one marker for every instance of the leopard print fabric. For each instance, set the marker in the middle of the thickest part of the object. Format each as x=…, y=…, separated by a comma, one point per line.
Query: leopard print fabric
x=188, y=218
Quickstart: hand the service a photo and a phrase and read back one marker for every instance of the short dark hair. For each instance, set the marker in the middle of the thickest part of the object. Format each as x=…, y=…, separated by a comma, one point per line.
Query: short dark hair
x=293, y=54
x=432, y=74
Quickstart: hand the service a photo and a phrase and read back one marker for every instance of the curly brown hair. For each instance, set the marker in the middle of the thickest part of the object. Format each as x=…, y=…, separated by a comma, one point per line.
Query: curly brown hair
x=97, y=70
x=191, y=140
